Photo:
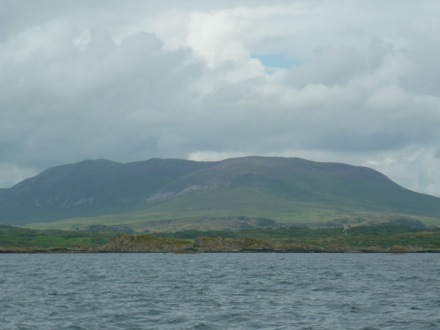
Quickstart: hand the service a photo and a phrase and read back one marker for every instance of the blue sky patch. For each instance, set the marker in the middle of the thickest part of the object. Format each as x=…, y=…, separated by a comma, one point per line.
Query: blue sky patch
x=277, y=61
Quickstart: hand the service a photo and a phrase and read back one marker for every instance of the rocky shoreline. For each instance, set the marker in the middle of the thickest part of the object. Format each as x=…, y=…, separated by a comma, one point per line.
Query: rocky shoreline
x=151, y=244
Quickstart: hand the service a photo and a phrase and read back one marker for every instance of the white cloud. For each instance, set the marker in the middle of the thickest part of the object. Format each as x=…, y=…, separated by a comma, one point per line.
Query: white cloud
x=414, y=168
x=201, y=156
x=11, y=174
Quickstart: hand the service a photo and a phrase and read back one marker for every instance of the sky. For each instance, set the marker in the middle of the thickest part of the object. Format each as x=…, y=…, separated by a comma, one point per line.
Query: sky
x=356, y=82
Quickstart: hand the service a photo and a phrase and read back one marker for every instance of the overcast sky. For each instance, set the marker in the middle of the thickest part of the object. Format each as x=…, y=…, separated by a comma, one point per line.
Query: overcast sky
x=336, y=80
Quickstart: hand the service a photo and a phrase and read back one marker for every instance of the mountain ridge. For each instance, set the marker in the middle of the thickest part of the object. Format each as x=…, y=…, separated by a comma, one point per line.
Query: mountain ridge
x=286, y=190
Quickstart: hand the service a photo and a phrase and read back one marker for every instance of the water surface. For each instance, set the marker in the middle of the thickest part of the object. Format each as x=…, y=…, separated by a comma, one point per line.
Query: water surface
x=220, y=291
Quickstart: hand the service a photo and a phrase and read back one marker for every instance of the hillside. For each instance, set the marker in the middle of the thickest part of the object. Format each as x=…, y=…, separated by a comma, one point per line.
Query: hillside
x=89, y=188
x=248, y=192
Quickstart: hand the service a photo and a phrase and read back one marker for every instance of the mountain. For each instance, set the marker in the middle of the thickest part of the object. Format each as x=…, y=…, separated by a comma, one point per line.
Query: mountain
x=248, y=191
x=88, y=188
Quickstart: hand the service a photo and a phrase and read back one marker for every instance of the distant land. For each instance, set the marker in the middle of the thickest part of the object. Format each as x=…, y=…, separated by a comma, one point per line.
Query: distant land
x=170, y=195
x=383, y=238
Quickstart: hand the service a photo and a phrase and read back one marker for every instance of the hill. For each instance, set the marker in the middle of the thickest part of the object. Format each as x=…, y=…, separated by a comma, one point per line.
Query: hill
x=88, y=188
x=239, y=193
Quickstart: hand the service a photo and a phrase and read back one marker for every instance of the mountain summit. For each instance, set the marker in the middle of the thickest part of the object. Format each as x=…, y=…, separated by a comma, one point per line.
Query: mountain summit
x=283, y=190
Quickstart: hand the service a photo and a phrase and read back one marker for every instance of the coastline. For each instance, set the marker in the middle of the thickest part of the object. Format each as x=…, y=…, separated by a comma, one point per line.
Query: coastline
x=152, y=244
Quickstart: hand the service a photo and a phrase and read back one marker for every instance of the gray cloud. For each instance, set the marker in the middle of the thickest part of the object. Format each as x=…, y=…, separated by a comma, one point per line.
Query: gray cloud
x=107, y=80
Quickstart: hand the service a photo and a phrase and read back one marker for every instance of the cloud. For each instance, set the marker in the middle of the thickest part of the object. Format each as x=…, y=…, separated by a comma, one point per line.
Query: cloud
x=92, y=99
x=192, y=79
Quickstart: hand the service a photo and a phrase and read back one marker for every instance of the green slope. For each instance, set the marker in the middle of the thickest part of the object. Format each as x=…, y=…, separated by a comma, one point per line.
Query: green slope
x=275, y=186
x=89, y=188
x=227, y=194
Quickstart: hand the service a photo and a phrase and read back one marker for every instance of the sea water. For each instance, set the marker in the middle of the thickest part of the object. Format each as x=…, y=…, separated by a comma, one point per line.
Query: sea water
x=220, y=291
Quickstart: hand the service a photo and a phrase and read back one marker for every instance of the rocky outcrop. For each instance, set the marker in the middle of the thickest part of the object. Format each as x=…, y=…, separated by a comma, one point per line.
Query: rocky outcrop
x=146, y=243
x=220, y=244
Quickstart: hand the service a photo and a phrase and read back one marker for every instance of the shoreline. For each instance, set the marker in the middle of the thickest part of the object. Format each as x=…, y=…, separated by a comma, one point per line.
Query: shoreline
x=126, y=243
x=312, y=251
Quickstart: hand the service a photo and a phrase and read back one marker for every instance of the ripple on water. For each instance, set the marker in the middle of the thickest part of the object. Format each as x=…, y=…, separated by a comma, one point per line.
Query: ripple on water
x=220, y=291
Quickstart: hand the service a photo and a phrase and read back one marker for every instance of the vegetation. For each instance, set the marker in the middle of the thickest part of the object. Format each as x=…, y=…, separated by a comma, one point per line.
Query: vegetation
x=388, y=239
x=28, y=240
x=375, y=238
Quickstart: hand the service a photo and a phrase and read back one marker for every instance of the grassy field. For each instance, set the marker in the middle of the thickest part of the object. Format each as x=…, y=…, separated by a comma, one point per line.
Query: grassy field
x=12, y=238
x=204, y=212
